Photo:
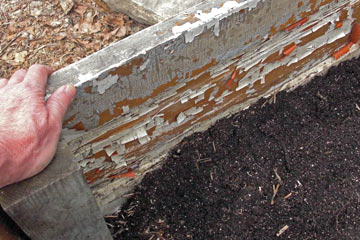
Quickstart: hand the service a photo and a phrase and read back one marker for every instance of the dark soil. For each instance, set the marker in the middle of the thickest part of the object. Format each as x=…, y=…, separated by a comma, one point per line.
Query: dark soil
x=219, y=184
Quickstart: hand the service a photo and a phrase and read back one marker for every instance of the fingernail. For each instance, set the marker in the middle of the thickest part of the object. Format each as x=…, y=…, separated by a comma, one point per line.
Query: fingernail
x=70, y=90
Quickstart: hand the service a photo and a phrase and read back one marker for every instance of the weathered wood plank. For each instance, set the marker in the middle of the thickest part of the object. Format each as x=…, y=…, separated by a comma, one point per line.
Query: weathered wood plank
x=142, y=95
x=151, y=11
x=8, y=229
x=56, y=204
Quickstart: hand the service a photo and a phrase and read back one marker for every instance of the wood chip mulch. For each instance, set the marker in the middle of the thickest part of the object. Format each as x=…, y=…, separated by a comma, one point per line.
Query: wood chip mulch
x=57, y=33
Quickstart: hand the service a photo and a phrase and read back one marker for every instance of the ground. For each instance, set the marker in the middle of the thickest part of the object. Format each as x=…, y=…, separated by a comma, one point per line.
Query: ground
x=56, y=33
x=286, y=168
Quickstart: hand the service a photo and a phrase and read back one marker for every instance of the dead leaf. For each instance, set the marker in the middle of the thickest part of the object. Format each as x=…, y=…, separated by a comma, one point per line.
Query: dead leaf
x=122, y=32
x=107, y=36
x=61, y=36
x=116, y=21
x=5, y=57
x=102, y=5
x=119, y=32
x=81, y=9
x=66, y=5
x=20, y=57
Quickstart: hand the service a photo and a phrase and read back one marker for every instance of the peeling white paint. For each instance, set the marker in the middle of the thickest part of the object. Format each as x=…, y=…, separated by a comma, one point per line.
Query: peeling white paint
x=128, y=138
x=241, y=85
x=213, y=93
x=126, y=109
x=70, y=134
x=119, y=160
x=200, y=98
x=141, y=132
x=180, y=118
x=144, y=140
x=223, y=95
x=159, y=121
x=106, y=83
x=109, y=151
x=212, y=19
x=83, y=78
x=144, y=65
x=193, y=111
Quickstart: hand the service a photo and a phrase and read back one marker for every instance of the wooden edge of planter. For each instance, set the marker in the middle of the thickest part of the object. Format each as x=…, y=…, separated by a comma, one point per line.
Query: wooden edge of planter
x=55, y=204
x=137, y=98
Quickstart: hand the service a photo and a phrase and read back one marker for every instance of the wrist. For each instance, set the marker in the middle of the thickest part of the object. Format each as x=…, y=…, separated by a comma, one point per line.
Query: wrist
x=5, y=168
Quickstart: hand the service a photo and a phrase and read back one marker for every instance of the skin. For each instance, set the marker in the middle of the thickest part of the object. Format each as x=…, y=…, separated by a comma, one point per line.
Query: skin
x=30, y=127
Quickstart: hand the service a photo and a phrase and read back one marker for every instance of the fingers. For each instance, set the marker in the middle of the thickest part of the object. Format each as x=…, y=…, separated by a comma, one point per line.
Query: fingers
x=17, y=77
x=37, y=76
x=3, y=82
x=58, y=104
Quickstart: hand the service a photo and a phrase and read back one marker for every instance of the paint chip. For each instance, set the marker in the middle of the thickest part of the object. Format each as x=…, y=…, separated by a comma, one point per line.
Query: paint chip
x=109, y=151
x=126, y=109
x=106, y=83
x=141, y=132
x=144, y=140
x=180, y=118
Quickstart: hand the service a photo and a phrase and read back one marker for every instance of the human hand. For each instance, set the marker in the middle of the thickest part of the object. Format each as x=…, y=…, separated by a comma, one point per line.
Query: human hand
x=30, y=127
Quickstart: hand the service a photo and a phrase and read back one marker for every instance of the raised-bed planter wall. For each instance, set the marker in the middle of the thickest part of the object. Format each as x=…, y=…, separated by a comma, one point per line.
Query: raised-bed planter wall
x=139, y=97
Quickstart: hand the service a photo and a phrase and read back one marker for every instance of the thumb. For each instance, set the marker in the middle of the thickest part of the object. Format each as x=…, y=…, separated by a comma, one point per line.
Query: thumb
x=59, y=102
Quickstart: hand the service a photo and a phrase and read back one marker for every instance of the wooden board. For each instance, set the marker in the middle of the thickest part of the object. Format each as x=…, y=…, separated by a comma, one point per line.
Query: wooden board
x=139, y=97
x=56, y=204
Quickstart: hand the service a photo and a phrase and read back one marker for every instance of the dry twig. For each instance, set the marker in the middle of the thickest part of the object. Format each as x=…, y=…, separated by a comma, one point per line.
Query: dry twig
x=282, y=230
x=357, y=107
x=276, y=188
x=213, y=144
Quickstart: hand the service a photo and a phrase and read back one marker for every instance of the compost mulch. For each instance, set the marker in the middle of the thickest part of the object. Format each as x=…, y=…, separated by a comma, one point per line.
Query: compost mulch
x=283, y=170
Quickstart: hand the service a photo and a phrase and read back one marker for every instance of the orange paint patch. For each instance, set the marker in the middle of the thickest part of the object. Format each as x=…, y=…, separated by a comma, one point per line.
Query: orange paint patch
x=105, y=117
x=129, y=174
x=318, y=33
x=273, y=31
x=67, y=121
x=273, y=57
x=297, y=24
x=127, y=69
x=355, y=33
x=204, y=68
x=79, y=127
x=95, y=174
x=191, y=18
x=339, y=24
x=288, y=50
x=343, y=51
x=312, y=4
x=231, y=79
x=289, y=22
x=100, y=154
x=88, y=89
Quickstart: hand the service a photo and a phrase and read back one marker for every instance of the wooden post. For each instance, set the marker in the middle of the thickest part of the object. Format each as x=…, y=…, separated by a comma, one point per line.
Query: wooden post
x=55, y=204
